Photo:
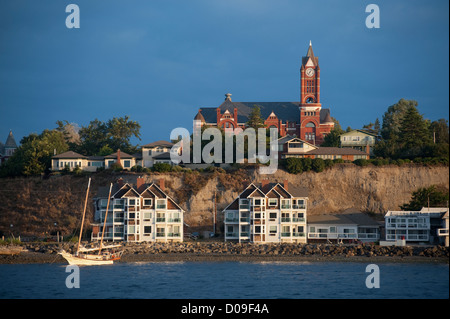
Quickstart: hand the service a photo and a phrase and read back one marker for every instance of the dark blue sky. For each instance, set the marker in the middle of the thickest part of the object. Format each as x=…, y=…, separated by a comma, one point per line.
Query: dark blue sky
x=159, y=61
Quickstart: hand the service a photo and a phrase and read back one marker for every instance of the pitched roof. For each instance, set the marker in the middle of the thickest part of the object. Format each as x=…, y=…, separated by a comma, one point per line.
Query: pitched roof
x=122, y=155
x=69, y=155
x=358, y=219
x=285, y=111
x=159, y=143
x=10, y=141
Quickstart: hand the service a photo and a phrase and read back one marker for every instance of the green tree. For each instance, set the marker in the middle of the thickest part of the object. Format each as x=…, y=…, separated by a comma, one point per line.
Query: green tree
x=255, y=120
x=333, y=139
x=393, y=116
x=433, y=196
x=413, y=133
x=34, y=155
x=294, y=165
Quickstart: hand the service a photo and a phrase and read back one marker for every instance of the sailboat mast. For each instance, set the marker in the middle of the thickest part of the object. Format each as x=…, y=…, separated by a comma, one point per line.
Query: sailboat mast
x=104, y=222
x=84, y=214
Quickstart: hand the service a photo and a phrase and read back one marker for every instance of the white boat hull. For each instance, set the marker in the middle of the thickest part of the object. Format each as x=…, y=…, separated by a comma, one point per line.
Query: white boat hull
x=86, y=260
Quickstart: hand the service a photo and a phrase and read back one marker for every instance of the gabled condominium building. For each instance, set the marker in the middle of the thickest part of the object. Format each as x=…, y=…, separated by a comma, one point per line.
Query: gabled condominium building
x=427, y=225
x=141, y=212
x=269, y=212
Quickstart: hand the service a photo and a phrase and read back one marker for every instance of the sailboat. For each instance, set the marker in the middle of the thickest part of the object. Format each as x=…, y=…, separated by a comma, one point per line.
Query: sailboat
x=83, y=256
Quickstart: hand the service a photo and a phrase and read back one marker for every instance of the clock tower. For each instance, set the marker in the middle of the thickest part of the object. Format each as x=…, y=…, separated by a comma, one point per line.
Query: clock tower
x=310, y=107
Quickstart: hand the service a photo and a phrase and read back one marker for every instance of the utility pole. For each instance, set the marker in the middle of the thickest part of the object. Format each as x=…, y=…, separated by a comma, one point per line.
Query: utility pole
x=214, y=213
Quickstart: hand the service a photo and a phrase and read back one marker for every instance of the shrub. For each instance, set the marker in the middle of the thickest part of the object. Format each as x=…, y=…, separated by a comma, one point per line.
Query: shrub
x=294, y=165
x=162, y=167
x=318, y=165
x=116, y=167
x=328, y=163
x=338, y=161
x=361, y=162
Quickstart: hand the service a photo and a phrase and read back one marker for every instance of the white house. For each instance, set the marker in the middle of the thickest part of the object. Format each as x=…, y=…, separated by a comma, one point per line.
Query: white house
x=343, y=228
x=156, y=152
x=270, y=212
x=416, y=226
x=141, y=212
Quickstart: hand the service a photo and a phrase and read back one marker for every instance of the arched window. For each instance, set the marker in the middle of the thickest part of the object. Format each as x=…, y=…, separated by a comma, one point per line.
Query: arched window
x=310, y=124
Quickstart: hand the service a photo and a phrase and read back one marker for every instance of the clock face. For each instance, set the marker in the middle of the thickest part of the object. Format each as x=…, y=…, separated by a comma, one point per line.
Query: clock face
x=309, y=72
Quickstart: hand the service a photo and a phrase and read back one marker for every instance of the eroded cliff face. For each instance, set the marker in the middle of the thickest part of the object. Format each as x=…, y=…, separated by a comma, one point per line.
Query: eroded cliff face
x=344, y=187
x=33, y=205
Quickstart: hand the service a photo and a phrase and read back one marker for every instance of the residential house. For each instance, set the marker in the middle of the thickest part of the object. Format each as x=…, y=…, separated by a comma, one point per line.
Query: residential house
x=137, y=213
x=291, y=146
x=270, y=212
x=359, y=140
x=443, y=232
x=156, y=152
x=416, y=226
x=343, y=228
x=72, y=159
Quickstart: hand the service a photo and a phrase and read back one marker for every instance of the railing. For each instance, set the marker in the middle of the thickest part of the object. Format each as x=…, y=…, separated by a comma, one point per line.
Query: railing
x=333, y=235
x=174, y=220
x=231, y=235
x=246, y=207
x=406, y=225
x=368, y=236
x=245, y=234
x=298, y=234
x=407, y=237
x=285, y=234
x=245, y=219
x=285, y=206
x=231, y=220
x=160, y=220
x=298, y=219
x=285, y=220
x=299, y=206
x=160, y=234
x=173, y=234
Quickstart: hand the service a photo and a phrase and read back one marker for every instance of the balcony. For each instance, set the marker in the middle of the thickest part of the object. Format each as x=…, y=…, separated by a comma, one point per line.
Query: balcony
x=285, y=234
x=285, y=220
x=285, y=206
x=161, y=220
x=231, y=235
x=245, y=234
x=302, y=206
x=245, y=219
x=174, y=220
x=173, y=235
x=298, y=219
x=232, y=220
x=160, y=234
x=298, y=234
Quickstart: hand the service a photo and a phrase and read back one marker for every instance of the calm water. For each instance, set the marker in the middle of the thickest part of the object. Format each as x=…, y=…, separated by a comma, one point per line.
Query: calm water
x=228, y=280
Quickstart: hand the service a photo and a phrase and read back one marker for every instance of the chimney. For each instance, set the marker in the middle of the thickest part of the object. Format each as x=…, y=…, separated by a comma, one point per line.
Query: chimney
x=264, y=183
x=162, y=184
x=139, y=183
x=286, y=185
x=368, y=149
x=235, y=115
x=120, y=182
x=118, y=157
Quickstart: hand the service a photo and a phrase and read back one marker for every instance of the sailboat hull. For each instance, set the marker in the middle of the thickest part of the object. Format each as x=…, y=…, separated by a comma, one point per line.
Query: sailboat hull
x=86, y=260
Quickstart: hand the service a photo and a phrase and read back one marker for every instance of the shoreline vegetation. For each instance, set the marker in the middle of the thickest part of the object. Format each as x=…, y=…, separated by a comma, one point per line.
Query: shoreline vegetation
x=32, y=253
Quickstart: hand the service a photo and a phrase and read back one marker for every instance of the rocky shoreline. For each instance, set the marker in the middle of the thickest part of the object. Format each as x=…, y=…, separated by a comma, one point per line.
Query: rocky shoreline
x=220, y=251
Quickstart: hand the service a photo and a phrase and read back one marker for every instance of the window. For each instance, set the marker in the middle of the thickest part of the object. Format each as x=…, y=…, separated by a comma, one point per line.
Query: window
x=131, y=215
x=272, y=230
x=258, y=202
x=131, y=202
x=131, y=229
x=332, y=229
x=285, y=204
x=272, y=215
x=312, y=229
x=310, y=124
x=147, y=230
x=161, y=204
x=273, y=202
x=147, y=216
x=148, y=202
x=257, y=229
x=127, y=163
